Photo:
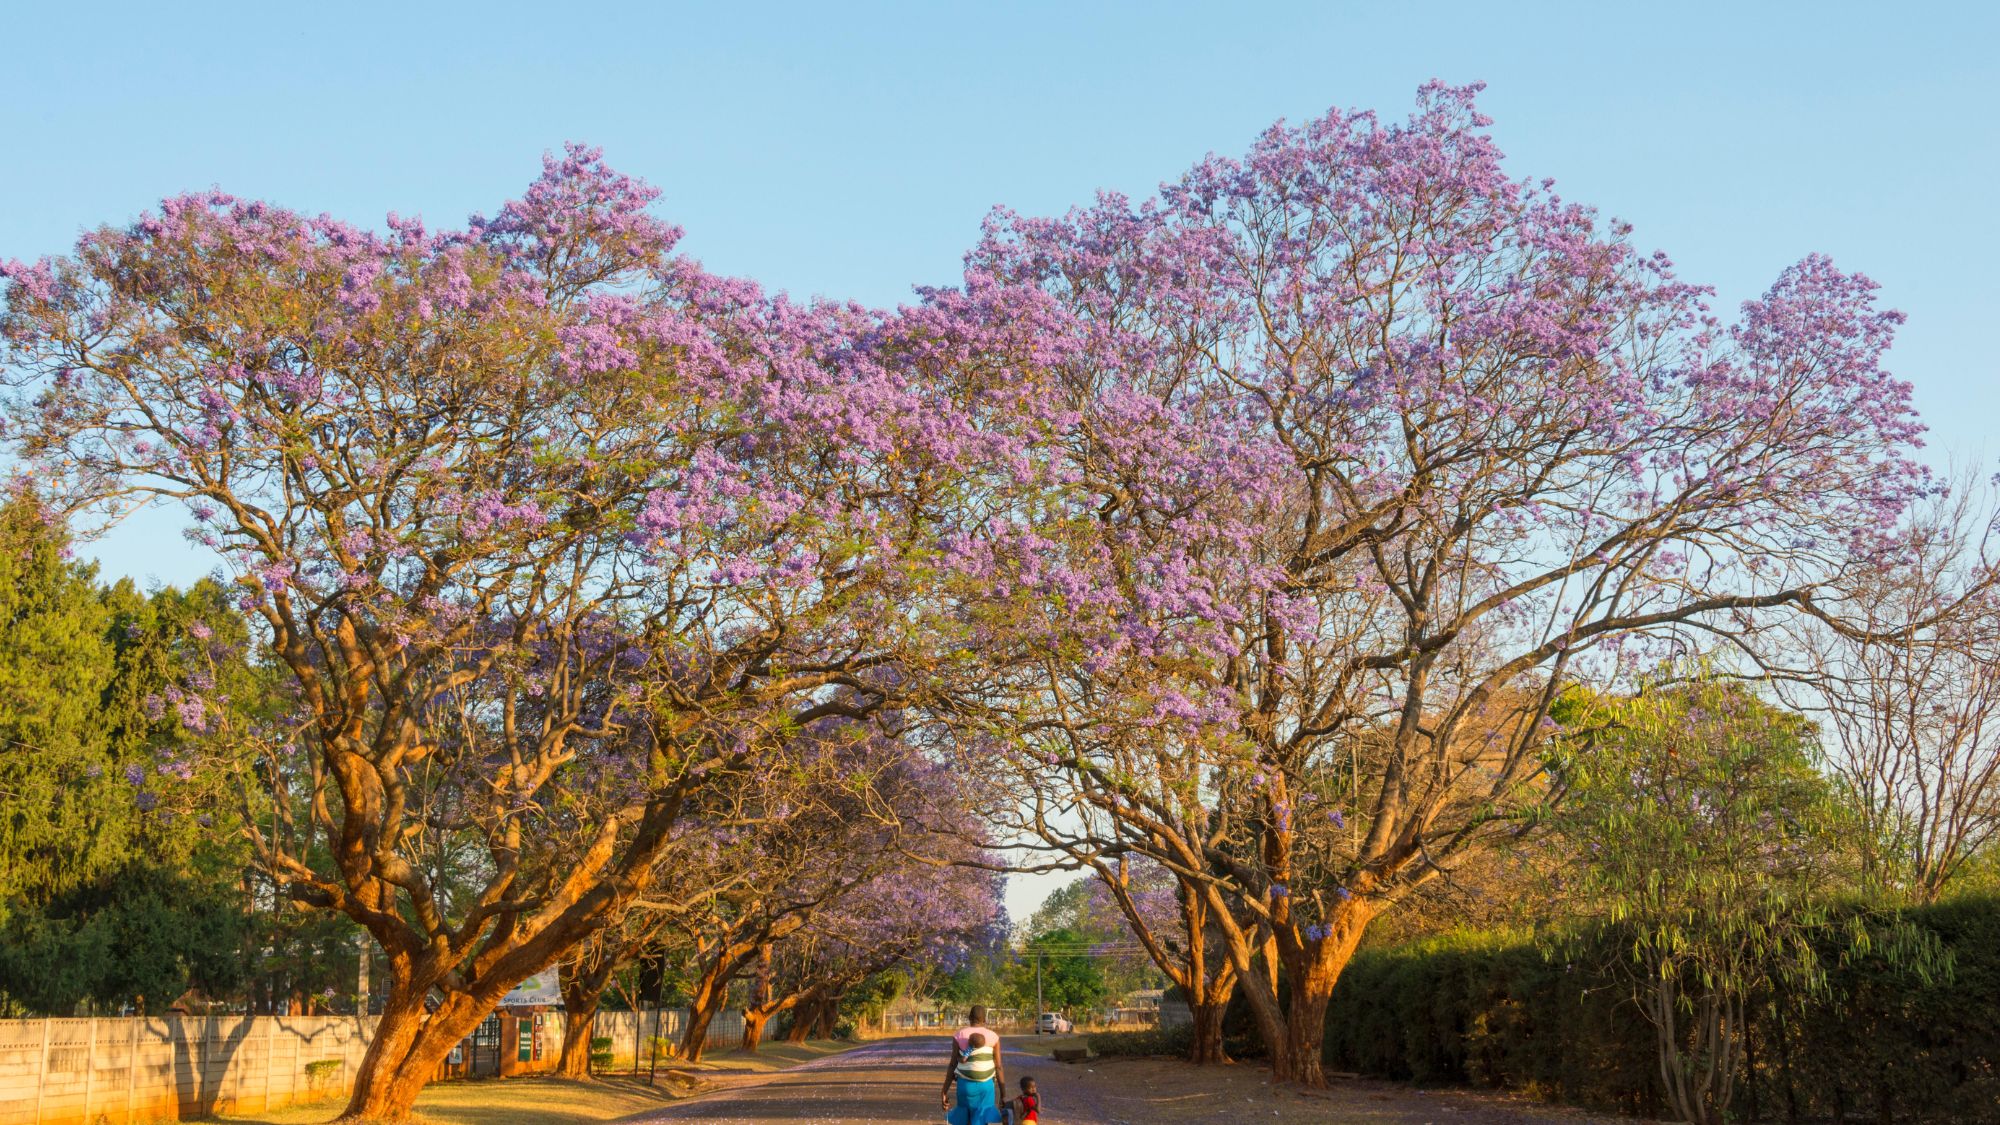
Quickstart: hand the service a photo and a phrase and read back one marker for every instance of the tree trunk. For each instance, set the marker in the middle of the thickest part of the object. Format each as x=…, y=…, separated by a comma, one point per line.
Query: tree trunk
x=1258, y=979
x=829, y=1017
x=802, y=1021
x=1207, y=991
x=1317, y=969
x=578, y=1026
x=1305, y=1028
x=706, y=1002
x=408, y=1047
x=712, y=991
x=754, y=1020
x=1207, y=1047
x=582, y=982
x=761, y=1007
x=1295, y=1029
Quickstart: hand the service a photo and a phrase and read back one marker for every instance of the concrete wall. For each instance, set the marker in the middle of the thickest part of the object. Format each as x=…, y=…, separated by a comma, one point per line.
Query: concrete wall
x=87, y=1071
x=114, y=1071
x=629, y=1032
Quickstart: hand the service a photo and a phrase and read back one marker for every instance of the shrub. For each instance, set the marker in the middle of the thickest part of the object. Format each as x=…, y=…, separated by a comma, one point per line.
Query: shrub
x=1497, y=1009
x=1893, y=1046
x=320, y=1074
x=1491, y=1009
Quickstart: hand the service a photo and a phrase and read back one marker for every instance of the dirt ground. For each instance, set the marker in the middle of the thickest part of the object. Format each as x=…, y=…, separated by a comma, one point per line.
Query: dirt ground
x=558, y=1101
x=1167, y=1092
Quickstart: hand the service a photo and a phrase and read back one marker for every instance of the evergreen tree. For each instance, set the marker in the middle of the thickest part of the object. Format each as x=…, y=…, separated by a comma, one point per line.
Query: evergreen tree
x=64, y=818
x=121, y=872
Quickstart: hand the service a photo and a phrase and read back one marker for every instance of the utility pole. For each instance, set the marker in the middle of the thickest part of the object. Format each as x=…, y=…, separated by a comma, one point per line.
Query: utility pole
x=1038, y=991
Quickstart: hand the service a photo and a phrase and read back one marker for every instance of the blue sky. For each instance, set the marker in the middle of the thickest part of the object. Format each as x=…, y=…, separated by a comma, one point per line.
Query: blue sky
x=849, y=149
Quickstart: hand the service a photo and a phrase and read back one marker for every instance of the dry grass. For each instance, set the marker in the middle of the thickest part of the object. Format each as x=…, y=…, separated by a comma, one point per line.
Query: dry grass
x=769, y=1057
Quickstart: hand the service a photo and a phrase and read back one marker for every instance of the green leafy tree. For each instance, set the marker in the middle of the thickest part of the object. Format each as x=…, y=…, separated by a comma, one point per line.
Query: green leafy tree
x=982, y=979
x=142, y=936
x=1071, y=978
x=120, y=872
x=63, y=818
x=1711, y=844
x=1085, y=909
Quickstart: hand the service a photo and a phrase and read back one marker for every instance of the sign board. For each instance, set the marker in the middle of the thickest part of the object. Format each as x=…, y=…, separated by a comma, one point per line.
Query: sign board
x=538, y=989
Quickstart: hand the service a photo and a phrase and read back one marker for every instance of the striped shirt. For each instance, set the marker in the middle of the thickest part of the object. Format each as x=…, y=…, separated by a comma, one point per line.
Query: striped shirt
x=976, y=1061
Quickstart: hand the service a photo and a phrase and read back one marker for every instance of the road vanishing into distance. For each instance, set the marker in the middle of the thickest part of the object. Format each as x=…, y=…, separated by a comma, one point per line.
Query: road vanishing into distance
x=892, y=1082
x=895, y=1082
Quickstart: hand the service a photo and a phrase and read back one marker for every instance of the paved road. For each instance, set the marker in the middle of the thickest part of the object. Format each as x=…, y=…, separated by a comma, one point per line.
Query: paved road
x=893, y=1082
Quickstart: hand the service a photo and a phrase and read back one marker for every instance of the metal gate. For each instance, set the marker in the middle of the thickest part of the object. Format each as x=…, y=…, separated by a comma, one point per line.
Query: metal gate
x=485, y=1060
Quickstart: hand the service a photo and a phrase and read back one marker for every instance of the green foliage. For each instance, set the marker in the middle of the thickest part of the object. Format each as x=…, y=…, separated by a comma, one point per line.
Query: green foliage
x=144, y=934
x=121, y=862
x=1507, y=1010
x=1711, y=841
x=1084, y=911
x=1071, y=979
x=982, y=979
x=1889, y=1041
x=65, y=820
x=304, y=954
x=1493, y=1009
x=320, y=1074
x=1071, y=908
x=865, y=1002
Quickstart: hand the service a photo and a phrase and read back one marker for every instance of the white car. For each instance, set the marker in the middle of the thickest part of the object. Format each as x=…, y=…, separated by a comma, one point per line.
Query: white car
x=1052, y=1023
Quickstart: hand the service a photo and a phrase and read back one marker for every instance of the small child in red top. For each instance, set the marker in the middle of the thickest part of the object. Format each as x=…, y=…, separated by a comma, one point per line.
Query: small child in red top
x=1026, y=1109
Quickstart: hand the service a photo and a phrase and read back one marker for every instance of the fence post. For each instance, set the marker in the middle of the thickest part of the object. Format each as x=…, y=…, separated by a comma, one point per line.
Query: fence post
x=132, y=1067
x=270, y=1056
x=42, y=1073
x=89, y=1070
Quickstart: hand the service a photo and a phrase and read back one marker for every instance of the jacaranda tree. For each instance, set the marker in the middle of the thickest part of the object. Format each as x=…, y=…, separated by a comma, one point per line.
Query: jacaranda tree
x=912, y=917
x=1254, y=528
x=546, y=526
x=1495, y=450
x=847, y=809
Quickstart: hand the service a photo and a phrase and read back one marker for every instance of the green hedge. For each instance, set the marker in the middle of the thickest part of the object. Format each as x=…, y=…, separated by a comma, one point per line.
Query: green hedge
x=1175, y=1041
x=1493, y=1009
